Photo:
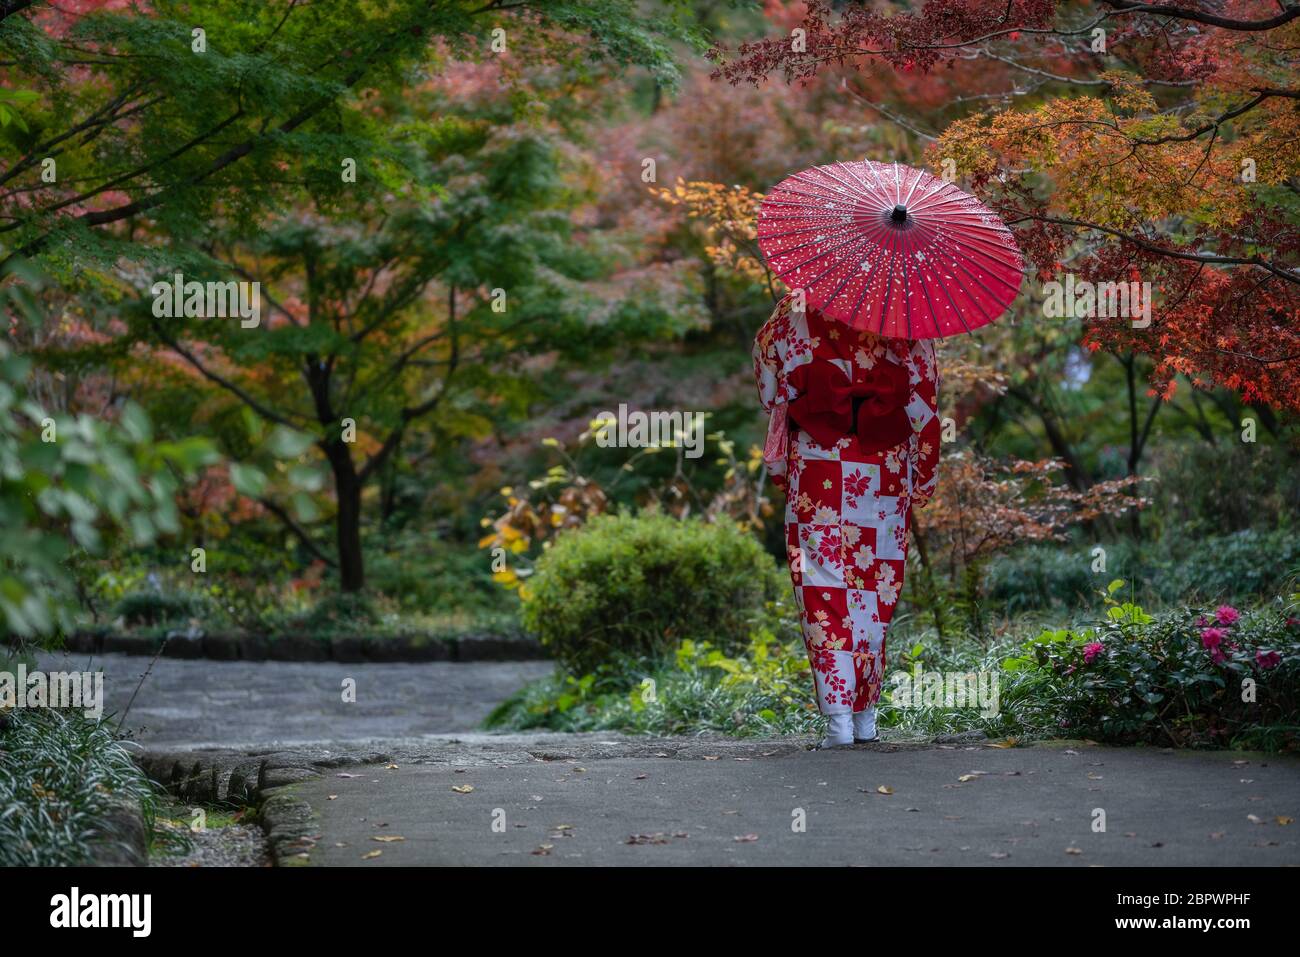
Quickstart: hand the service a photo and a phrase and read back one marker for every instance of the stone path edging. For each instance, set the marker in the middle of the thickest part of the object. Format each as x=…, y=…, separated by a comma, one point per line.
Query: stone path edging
x=347, y=649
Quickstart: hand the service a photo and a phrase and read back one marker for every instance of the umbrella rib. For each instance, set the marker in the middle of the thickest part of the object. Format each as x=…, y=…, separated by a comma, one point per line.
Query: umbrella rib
x=848, y=276
x=937, y=191
x=827, y=191
x=948, y=295
x=916, y=182
x=827, y=252
x=978, y=304
x=839, y=262
x=884, y=301
x=827, y=171
x=959, y=250
x=866, y=285
x=907, y=296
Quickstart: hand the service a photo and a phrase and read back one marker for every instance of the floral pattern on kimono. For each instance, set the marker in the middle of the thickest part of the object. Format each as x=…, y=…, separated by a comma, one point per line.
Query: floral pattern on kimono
x=847, y=510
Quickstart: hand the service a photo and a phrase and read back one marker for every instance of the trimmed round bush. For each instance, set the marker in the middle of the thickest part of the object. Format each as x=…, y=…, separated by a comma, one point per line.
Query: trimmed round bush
x=636, y=585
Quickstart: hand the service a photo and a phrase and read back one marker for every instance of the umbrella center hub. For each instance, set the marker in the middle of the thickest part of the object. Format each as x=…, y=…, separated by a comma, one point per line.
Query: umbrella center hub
x=899, y=214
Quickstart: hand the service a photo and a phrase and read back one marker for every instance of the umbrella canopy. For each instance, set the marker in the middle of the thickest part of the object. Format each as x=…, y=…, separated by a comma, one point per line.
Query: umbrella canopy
x=890, y=249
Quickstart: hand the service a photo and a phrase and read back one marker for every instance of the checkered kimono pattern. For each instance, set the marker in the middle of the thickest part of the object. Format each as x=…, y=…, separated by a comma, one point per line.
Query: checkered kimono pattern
x=846, y=517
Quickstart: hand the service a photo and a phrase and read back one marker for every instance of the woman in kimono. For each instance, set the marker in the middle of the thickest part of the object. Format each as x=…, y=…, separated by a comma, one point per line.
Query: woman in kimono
x=853, y=440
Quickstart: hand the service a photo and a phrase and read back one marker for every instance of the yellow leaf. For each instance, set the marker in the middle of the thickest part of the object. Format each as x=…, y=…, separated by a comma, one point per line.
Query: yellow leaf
x=463, y=788
x=387, y=838
x=884, y=789
x=371, y=855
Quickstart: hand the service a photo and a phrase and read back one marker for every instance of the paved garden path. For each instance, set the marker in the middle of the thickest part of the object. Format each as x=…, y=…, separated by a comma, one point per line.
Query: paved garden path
x=558, y=800
x=227, y=703
x=396, y=765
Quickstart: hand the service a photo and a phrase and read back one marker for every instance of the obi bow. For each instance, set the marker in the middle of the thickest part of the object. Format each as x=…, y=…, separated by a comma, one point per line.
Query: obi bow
x=831, y=406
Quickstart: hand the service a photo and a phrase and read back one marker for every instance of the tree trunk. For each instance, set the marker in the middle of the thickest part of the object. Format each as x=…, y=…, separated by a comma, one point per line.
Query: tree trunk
x=347, y=489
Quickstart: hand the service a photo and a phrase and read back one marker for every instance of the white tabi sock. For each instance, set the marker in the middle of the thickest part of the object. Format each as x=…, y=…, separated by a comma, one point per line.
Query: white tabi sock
x=864, y=724
x=839, y=732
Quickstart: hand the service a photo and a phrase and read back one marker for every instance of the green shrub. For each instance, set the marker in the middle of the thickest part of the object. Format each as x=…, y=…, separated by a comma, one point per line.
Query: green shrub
x=636, y=586
x=1228, y=567
x=153, y=607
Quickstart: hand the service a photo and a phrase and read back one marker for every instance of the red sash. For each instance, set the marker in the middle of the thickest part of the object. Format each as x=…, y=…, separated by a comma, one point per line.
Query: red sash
x=830, y=406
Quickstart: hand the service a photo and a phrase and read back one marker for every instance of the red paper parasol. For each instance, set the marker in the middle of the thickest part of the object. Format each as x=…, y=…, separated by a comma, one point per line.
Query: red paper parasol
x=891, y=249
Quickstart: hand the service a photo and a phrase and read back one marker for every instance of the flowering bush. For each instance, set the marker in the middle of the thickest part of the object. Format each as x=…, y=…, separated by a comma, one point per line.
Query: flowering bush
x=1218, y=677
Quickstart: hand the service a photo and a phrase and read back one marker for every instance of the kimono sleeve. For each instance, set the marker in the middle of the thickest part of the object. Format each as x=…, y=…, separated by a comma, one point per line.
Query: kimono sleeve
x=923, y=410
x=769, y=374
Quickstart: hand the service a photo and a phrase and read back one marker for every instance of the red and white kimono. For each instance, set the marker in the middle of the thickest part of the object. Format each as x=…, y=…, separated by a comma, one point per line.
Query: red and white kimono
x=853, y=439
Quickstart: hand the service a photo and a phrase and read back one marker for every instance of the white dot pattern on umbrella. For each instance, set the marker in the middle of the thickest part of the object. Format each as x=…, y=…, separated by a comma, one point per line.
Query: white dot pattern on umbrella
x=889, y=248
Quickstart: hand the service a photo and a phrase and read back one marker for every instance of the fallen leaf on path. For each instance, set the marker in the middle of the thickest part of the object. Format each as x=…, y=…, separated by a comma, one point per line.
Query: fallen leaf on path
x=710, y=757
x=543, y=850
x=332, y=797
x=1253, y=819
x=640, y=777
x=884, y=789
x=967, y=777
x=344, y=774
x=387, y=838
x=1284, y=821
x=579, y=770
x=462, y=788
x=1073, y=850
x=390, y=767
x=745, y=838
x=999, y=855
x=1006, y=743
x=371, y=855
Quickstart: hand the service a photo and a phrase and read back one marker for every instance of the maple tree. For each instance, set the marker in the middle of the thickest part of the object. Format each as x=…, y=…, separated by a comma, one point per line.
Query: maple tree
x=1120, y=140
x=441, y=257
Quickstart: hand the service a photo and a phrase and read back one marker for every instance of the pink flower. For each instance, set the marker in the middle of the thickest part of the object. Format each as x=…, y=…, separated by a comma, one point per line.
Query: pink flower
x=1091, y=651
x=1217, y=656
x=1267, y=659
x=1226, y=615
x=1202, y=621
x=1213, y=637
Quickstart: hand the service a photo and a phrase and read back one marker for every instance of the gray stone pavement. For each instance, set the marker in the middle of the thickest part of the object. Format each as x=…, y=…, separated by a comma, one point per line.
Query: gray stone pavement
x=200, y=703
x=607, y=800
x=402, y=763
